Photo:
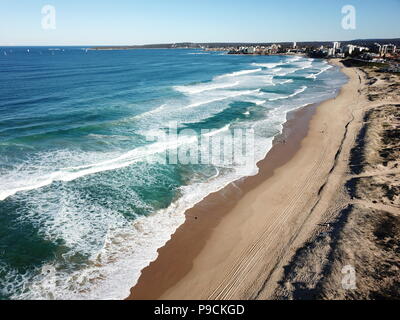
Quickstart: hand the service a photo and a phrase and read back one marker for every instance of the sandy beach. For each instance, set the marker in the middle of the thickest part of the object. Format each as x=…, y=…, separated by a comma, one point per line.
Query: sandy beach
x=243, y=241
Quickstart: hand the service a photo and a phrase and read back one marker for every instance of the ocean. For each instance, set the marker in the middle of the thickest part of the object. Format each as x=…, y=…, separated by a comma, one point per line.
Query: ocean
x=85, y=201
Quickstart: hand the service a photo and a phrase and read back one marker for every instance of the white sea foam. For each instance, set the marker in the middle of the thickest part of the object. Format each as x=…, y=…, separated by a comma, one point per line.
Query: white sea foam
x=286, y=71
x=299, y=65
x=258, y=102
x=36, y=179
x=286, y=81
x=266, y=65
x=226, y=95
x=276, y=70
x=273, y=65
x=294, y=59
x=194, y=89
x=218, y=131
x=305, y=65
x=151, y=112
x=297, y=92
x=315, y=75
x=238, y=73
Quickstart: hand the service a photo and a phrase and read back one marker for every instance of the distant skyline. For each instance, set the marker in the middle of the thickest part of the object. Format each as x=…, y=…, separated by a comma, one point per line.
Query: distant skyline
x=124, y=22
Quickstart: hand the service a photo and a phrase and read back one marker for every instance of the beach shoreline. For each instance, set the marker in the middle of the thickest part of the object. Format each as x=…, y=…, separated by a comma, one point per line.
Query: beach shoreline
x=211, y=245
x=205, y=215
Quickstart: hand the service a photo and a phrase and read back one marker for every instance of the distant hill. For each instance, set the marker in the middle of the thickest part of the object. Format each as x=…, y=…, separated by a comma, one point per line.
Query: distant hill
x=360, y=42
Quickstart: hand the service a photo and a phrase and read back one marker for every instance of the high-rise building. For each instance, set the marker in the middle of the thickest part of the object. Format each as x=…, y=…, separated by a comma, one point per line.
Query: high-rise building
x=388, y=48
x=350, y=48
x=336, y=46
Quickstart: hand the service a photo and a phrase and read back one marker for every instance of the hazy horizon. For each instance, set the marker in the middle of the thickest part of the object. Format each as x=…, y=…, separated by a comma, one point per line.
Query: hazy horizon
x=173, y=42
x=155, y=22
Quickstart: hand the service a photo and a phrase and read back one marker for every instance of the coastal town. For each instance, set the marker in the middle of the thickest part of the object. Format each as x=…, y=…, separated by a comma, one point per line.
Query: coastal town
x=388, y=53
x=384, y=53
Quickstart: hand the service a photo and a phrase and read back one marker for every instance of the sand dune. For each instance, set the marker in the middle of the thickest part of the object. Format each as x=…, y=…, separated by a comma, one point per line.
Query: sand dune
x=365, y=233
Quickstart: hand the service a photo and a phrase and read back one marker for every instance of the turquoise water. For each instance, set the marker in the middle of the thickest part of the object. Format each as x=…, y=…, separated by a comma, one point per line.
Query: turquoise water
x=82, y=209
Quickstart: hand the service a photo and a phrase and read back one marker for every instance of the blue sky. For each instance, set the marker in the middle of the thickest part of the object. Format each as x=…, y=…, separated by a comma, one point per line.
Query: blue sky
x=116, y=22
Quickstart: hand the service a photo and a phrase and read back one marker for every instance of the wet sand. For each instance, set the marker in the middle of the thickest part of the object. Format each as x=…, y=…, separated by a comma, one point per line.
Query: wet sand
x=234, y=243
